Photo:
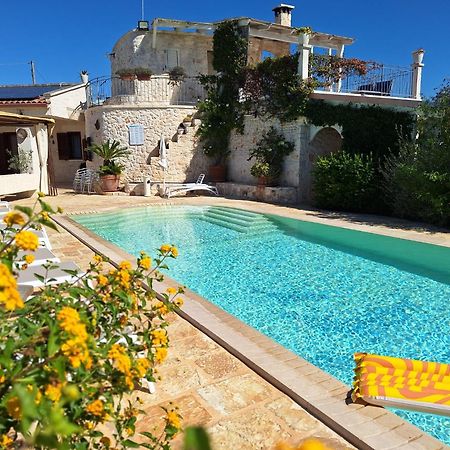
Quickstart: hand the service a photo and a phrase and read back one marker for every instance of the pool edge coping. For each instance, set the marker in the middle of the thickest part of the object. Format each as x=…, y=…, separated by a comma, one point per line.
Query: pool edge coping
x=365, y=427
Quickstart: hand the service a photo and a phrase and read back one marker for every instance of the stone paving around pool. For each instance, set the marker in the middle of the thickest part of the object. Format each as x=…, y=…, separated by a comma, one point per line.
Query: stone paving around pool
x=212, y=387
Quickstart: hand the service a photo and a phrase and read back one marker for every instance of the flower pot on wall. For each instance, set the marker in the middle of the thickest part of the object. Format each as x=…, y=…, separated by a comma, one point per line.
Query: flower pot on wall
x=109, y=183
x=217, y=173
x=267, y=181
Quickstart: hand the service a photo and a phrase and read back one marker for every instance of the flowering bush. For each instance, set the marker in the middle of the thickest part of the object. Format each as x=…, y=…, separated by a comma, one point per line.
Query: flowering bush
x=71, y=353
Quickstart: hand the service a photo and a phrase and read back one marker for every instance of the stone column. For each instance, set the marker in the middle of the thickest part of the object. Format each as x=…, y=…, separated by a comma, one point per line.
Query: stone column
x=340, y=54
x=304, y=50
x=417, y=67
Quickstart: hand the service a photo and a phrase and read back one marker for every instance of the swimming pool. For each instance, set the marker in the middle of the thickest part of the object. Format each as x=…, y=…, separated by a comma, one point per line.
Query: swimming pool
x=323, y=292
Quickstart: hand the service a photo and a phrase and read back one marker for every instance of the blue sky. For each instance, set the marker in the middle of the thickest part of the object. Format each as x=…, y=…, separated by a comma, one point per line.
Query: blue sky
x=65, y=37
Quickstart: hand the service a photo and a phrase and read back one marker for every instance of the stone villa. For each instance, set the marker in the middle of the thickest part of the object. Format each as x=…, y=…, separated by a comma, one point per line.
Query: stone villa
x=141, y=112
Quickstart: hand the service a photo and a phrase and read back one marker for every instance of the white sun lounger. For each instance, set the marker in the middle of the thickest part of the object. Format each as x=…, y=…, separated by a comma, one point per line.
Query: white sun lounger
x=51, y=276
x=42, y=256
x=42, y=236
x=170, y=191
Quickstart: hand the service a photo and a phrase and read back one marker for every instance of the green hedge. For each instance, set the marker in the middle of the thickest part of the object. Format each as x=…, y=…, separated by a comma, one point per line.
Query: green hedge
x=345, y=182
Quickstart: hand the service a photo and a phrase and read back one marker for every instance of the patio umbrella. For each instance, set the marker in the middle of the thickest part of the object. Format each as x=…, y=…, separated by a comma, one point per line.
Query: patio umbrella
x=163, y=162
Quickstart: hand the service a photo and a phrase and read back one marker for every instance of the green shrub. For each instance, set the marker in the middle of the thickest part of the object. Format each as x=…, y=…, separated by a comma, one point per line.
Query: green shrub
x=417, y=180
x=346, y=182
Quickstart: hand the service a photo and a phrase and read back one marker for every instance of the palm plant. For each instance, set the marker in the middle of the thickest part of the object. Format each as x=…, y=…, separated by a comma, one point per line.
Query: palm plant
x=110, y=151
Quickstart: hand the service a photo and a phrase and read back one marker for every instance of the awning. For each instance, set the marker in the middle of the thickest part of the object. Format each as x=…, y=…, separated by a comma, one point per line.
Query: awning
x=7, y=118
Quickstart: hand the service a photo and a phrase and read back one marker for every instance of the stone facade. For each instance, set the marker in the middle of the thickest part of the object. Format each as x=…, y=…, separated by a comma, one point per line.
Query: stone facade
x=186, y=159
x=309, y=142
x=188, y=50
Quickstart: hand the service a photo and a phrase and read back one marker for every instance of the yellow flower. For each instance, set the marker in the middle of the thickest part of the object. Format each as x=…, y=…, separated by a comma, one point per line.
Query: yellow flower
x=90, y=425
x=142, y=365
x=29, y=258
x=161, y=307
x=179, y=302
x=97, y=259
x=312, y=444
x=122, y=361
x=13, y=218
x=77, y=352
x=125, y=265
x=173, y=419
x=145, y=263
x=26, y=240
x=53, y=391
x=160, y=354
x=69, y=321
x=102, y=280
x=44, y=215
x=59, y=210
x=124, y=277
x=159, y=337
x=41, y=194
x=165, y=248
x=96, y=408
x=38, y=398
x=5, y=441
x=9, y=295
x=174, y=252
x=172, y=291
x=14, y=408
x=2, y=379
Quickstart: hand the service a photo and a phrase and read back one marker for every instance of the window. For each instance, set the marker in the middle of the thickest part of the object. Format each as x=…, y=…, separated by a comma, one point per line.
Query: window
x=8, y=148
x=136, y=134
x=172, y=58
x=69, y=145
x=266, y=54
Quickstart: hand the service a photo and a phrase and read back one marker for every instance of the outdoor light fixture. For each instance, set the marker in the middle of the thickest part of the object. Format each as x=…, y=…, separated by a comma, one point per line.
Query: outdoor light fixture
x=143, y=25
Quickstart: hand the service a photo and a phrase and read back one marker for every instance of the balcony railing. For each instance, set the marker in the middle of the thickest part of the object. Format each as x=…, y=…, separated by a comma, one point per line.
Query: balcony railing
x=380, y=80
x=158, y=91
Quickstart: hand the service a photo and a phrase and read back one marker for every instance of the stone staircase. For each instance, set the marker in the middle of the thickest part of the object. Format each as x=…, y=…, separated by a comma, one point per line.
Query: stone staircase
x=239, y=220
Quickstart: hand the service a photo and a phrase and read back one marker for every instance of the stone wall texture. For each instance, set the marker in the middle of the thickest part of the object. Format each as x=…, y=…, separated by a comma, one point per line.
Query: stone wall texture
x=255, y=128
x=185, y=156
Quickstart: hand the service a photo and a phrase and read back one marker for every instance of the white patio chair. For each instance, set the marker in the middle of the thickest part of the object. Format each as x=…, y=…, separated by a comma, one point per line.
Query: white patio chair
x=172, y=190
x=91, y=178
x=78, y=181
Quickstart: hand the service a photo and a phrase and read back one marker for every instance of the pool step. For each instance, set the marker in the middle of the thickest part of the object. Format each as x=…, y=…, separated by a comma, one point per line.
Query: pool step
x=248, y=223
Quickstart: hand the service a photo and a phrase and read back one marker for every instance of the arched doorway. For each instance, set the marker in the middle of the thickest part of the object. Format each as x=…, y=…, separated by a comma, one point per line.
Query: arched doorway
x=326, y=141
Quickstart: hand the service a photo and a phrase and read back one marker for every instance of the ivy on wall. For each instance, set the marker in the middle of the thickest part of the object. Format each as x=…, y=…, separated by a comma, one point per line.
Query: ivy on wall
x=365, y=129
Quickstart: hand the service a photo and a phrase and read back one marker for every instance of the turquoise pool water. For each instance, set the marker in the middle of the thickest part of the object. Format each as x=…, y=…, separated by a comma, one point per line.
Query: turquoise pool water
x=323, y=292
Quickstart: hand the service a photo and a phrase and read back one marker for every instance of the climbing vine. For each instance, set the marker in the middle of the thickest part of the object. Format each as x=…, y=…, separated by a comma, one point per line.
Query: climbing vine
x=273, y=88
x=222, y=111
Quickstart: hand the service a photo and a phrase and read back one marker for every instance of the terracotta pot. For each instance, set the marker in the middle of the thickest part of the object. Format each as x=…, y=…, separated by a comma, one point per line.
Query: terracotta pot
x=267, y=181
x=218, y=173
x=127, y=77
x=143, y=77
x=109, y=183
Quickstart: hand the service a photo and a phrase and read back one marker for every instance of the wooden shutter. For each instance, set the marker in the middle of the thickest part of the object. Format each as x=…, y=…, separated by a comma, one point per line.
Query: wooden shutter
x=63, y=146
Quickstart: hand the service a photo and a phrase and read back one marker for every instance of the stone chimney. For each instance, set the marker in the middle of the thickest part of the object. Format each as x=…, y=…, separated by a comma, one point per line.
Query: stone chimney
x=283, y=14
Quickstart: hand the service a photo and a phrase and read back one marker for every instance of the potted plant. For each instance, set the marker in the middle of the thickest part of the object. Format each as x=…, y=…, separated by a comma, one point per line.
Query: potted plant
x=269, y=156
x=176, y=75
x=110, y=171
x=126, y=74
x=143, y=73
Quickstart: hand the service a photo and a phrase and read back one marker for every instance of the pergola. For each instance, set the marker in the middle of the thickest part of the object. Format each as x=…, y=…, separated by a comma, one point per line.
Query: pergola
x=257, y=29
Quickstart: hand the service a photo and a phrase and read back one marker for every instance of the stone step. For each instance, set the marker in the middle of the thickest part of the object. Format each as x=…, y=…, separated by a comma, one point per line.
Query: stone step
x=240, y=212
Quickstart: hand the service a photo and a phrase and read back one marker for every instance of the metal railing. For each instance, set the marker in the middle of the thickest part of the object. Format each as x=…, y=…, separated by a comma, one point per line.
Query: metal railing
x=158, y=90
x=380, y=80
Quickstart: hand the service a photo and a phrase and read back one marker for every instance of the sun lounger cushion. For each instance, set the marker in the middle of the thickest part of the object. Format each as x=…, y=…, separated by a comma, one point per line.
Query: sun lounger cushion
x=402, y=383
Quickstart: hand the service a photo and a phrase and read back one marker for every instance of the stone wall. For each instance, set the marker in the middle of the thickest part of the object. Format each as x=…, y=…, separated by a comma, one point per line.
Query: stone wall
x=186, y=159
x=188, y=50
x=255, y=128
x=256, y=46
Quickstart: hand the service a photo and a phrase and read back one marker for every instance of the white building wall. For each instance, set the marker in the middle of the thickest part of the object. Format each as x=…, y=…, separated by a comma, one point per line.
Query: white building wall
x=67, y=103
x=28, y=182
